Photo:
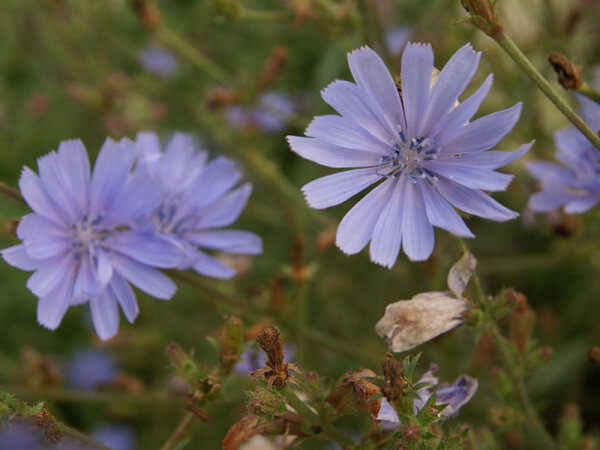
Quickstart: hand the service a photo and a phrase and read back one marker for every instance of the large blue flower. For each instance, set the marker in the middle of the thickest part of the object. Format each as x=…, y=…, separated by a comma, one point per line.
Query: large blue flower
x=76, y=239
x=198, y=199
x=418, y=145
x=576, y=184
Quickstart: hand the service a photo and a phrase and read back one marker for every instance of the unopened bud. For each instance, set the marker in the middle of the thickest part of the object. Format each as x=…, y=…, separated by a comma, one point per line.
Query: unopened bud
x=484, y=16
x=394, y=383
x=263, y=402
x=182, y=363
x=232, y=339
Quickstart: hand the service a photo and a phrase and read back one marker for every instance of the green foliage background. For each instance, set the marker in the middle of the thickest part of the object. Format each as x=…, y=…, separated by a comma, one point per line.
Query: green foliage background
x=71, y=68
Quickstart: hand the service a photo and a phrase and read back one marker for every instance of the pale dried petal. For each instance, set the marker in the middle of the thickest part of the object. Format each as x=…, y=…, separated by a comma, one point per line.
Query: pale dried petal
x=409, y=323
x=460, y=273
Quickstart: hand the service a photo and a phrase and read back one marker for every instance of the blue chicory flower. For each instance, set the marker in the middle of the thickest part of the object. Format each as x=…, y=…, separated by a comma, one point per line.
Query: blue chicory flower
x=454, y=396
x=159, y=61
x=269, y=114
x=198, y=200
x=75, y=241
x=90, y=369
x=574, y=185
x=420, y=145
x=114, y=436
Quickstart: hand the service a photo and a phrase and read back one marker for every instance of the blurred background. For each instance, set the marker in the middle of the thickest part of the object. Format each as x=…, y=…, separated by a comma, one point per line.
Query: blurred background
x=241, y=76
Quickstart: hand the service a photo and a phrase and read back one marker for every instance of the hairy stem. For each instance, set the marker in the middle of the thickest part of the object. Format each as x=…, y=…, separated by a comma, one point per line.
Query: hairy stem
x=315, y=420
x=523, y=62
x=533, y=422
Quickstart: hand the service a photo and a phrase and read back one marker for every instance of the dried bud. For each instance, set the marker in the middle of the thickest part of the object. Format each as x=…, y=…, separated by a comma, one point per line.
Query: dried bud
x=568, y=72
x=272, y=67
x=484, y=16
x=394, y=383
x=148, y=14
x=409, y=323
x=521, y=322
x=354, y=388
x=300, y=271
x=276, y=286
x=326, y=238
x=277, y=371
x=594, y=354
x=567, y=226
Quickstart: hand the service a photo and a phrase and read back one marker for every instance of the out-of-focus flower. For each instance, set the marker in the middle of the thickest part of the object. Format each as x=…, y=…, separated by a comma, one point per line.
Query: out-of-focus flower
x=269, y=114
x=254, y=358
x=453, y=395
x=75, y=241
x=422, y=148
x=159, y=61
x=90, y=369
x=198, y=200
x=409, y=323
x=574, y=185
x=13, y=436
x=114, y=436
x=396, y=39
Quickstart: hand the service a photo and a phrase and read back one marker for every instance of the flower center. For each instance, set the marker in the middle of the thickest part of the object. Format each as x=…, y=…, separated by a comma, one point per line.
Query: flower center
x=86, y=236
x=408, y=157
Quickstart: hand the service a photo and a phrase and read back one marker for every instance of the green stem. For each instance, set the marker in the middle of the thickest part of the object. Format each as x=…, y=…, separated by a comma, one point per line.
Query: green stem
x=523, y=62
x=589, y=92
x=180, y=432
x=314, y=419
x=202, y=62
x=259, y=15
x=540, y=435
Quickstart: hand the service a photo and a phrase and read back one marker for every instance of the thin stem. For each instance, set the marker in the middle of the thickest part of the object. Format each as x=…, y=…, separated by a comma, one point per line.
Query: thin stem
x=11, y=192
x=536, y=427
x=523, y=62
x=261, y=15
x=180, y=432
x=314, y=419
x=589, y=92
x=186, y=50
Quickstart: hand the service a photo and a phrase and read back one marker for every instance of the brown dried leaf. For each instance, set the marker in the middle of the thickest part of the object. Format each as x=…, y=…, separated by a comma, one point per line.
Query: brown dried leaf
x=460, y=273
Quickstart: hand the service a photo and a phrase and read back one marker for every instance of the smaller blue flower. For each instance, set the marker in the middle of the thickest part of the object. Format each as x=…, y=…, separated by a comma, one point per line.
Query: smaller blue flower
x=18, y=436
x=114, y=436
x=199, y=198
x=270, y=113
x=77, y=240
x=574, y=185
x=397, y=38
x=159, y=61
x=454, y=396
x=90, y=369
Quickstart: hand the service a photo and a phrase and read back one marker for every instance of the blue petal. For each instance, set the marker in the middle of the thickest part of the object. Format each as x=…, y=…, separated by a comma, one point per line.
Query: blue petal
x=105, y=315
x=75, y=166
x=18, y=257
x=218, y=177
x=483, y=133
x=138, y=197
x=387, y=234
x=492, y=159
x=473, y=201
x=179, y=154
x=551, y=175
x=103, y=267
x=417, y=231
x=125, y=296
x=450, y=83
x=388, y=416
x=547, y=201
x=337, y=188
x=38, y=199
x=373, y=77
x=582, y=204
x=470, y=176
x=231, y=241
x=212, y=267
x=52, y=273
x=52, y=307
x=345, y=133
x=145, y=278
x=459, y=116
x=42, y=237
x=148, y=150
x=331, y=155
x=55, y=179
x=86, y=281
x=417, y=66
x=111, y=171
x=456, y=395
x=441, y=214
x=351, y=102
x=145, y=248
x=226, y=210
x=356, y=228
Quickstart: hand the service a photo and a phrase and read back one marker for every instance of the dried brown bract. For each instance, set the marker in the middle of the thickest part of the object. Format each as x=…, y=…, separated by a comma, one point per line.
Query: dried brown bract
x=276, y=371
x=568, y=72
x=353, y=387
x=394, y=382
